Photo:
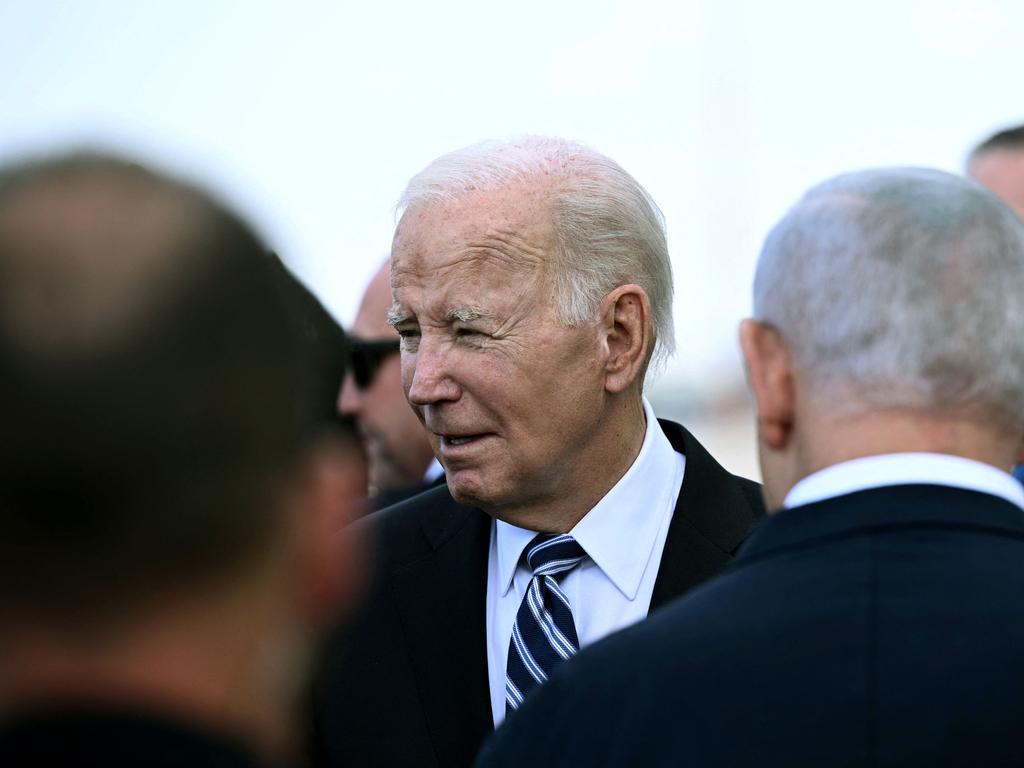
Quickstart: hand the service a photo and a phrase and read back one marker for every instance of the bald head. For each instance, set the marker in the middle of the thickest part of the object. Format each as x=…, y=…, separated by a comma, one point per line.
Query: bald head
x=998, y=164
x=396, y=443
x=372, y=321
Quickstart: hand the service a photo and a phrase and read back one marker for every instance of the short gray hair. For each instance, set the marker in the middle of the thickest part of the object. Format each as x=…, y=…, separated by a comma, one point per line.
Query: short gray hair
x=901, y=288
x=608, y=230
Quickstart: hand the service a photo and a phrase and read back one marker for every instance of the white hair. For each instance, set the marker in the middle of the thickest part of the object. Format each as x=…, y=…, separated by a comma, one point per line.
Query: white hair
x=901, y=288
x=608, y=230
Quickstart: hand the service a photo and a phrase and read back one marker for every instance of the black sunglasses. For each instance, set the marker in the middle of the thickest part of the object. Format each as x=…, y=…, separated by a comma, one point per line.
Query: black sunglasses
x=365, y=358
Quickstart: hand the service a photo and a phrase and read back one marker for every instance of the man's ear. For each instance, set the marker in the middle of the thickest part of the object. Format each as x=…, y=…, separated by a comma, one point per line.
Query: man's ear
x=770, y=375
x=331, y=552
x=627, y=334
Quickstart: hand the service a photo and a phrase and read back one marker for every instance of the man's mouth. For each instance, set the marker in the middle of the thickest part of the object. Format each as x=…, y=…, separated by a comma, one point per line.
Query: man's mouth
x=449, y=442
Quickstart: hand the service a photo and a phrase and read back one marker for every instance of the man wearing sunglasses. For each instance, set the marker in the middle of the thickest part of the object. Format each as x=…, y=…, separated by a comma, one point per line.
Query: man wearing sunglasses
x=401, y=462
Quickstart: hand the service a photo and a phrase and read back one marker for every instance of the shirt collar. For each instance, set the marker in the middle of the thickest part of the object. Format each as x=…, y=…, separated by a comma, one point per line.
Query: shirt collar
x=512, y=540
x=620, y=531
x=434, y=471
x=902, y=469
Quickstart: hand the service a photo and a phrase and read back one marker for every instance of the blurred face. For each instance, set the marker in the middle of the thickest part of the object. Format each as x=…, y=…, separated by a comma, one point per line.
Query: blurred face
x=396, y=445
x=511, y=399
x=1002, y=171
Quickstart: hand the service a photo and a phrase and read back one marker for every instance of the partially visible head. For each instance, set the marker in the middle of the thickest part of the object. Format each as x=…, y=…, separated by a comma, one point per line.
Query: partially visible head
x=162, y=430
x=371, y=393
x=519, y=271
x=998, y=164
x=323, y=339
x=893, y=291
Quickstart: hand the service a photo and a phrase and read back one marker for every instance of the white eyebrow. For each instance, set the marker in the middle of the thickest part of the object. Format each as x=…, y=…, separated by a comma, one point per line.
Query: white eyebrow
x=464, y=315
x=396, y=316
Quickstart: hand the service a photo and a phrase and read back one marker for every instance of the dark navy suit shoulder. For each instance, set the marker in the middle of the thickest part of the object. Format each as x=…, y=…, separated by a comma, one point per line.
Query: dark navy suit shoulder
x=880, y=628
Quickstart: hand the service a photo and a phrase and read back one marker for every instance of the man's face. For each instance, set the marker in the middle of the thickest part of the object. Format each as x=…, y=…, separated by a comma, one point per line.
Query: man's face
x=511, y=399
x=395, y=442
x=1002, y=171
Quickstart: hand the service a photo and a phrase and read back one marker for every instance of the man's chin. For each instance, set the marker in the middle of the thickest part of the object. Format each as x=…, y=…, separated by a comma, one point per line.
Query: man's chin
x=385, y=473
x=467, y=489
x=465, y=496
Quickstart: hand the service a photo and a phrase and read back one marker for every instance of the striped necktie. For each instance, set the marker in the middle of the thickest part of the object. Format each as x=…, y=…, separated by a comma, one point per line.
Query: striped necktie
x=544, y=632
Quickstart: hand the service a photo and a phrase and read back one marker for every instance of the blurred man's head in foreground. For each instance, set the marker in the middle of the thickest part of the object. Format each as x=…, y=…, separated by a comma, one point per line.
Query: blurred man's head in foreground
x=998, y=163
x=170, y=502
x=888, y=318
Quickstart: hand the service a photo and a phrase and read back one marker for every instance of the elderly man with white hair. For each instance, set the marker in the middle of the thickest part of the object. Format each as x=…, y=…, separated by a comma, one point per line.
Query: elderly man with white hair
x=531, y=289
x=876, y=618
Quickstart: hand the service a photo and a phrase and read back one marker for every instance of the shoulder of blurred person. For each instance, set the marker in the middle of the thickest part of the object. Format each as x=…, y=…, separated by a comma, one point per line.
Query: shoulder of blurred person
x=171, y=506
x=874, y=618
x=531, y=289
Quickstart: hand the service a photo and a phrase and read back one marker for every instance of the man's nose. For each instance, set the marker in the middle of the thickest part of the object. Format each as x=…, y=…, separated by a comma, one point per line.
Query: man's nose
x=350, y=398
x=428, y=374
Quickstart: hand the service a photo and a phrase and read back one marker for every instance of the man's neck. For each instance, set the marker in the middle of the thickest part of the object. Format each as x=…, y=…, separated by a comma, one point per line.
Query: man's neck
x=828, y=440
x=194, y=665
x=901, y=431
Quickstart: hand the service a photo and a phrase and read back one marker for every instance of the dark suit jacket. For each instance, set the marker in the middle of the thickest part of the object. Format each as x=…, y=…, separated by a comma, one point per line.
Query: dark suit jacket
x=880, y=628
x=406, y=684
x=114, y=738
x=389, y=498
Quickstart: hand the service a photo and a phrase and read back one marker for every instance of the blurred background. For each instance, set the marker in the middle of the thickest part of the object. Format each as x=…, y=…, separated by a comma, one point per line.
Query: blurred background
x=310, y=117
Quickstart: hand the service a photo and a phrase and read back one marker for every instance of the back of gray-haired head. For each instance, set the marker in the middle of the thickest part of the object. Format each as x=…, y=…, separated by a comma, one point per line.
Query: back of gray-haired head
x=609, y=231
x=901, y=288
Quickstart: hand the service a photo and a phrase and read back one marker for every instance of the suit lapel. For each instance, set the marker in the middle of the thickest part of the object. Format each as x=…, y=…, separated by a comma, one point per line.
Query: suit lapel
x=713, y=515
x=441, y=599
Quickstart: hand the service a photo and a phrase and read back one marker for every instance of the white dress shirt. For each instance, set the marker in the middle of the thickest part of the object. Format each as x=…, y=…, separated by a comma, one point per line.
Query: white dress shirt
x=904, y=469
x=623, y=536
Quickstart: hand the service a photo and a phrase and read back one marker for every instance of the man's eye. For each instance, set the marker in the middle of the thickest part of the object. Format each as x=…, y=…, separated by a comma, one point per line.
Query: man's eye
x=408, y=338
x=469, y=333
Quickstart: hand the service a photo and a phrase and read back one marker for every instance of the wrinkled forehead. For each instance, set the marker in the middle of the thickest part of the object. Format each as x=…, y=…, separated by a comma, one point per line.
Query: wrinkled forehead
x=510, y=229
x=482, y=255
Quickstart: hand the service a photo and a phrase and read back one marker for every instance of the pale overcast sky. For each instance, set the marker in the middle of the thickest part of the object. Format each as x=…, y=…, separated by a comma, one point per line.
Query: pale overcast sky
x=311, y=116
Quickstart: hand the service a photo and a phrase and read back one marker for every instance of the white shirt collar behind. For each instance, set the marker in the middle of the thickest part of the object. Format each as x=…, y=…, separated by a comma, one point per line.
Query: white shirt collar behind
x=903, y=469
x=434, y=471
x=626, y=513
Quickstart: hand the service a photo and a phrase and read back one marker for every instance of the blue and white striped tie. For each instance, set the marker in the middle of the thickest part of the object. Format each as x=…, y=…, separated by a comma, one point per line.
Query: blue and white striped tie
x=544, y=633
